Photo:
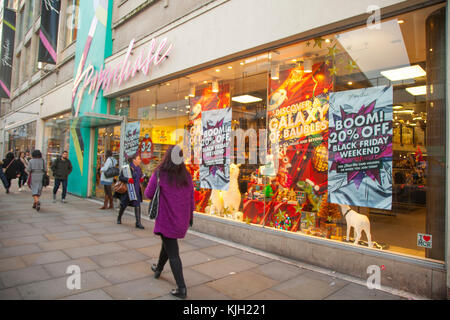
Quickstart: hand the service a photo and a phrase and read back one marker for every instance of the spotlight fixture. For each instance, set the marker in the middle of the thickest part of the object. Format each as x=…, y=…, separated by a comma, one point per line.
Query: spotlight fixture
x=275, y=72
x=215, y=86
x=307, y=65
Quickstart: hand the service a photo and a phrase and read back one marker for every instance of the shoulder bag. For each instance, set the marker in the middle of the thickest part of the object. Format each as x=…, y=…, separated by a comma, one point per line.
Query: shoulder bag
x=120, y=187
x=153, y=208
x=112, y=171
x=45, y=177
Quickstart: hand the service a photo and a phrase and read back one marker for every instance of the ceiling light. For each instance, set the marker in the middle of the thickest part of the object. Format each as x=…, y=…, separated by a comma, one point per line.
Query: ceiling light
x=205, y=82
x=294, y=60
x=153, y=105
x=230, y=67
x=275, y=72
x=168, y=84
x=217, y=70
x=397, y=107
x=410, y=72
x=401, y=21
x=246, y=99
x=188, y=107
x=417, y=91
x=327, y=40
x=192, y=91
x=165, y=108
x=173, y=109
x=405, y=111
x=349, y=83
x=61, y=117
x=242, y=63
x=148, y=90
x=307, y=65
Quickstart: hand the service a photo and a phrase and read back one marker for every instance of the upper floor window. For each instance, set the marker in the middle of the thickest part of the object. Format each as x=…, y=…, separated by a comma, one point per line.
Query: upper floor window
x=71, y=21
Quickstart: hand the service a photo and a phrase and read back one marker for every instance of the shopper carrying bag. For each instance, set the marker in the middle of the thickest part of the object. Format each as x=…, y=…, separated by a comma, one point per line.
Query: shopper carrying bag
x=174, y=214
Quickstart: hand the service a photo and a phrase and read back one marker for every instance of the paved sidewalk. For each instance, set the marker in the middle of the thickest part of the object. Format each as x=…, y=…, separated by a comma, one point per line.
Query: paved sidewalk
x=36, y=249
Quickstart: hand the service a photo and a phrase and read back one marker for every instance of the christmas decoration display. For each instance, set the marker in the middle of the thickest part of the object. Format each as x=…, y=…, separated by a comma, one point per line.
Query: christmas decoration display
x=359, y=222
x=283, y=221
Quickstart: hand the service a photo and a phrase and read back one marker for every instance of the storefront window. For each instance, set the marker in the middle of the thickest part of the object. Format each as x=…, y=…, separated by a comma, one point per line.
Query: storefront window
x=56, y=137
x=22, y=138
x=344, y=130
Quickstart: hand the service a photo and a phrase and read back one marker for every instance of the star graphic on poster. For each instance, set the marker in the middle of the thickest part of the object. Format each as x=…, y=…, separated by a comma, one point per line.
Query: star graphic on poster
x=385, y=150
x=351, y=66
x=332, y=51
x=298, y=208
x=318, y=42
x=333, y=71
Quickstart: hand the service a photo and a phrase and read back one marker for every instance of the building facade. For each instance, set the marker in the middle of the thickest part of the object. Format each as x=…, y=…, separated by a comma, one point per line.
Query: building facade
x=342, y=106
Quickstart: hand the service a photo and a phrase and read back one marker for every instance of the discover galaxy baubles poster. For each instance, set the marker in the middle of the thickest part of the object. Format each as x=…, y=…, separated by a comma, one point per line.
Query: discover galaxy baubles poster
x=360, y=147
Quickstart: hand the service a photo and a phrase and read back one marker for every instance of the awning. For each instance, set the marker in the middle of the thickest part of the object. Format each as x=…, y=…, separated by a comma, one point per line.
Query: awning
x=94, y=120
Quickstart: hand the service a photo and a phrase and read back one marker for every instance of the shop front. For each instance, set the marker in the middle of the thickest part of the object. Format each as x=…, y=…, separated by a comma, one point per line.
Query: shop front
x=330, y=150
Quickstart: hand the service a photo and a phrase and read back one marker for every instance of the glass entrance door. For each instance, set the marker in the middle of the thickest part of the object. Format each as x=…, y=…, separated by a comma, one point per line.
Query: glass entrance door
x=108, y=139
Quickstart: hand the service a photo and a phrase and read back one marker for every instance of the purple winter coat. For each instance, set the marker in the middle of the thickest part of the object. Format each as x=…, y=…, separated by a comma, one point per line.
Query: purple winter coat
x=176, y=206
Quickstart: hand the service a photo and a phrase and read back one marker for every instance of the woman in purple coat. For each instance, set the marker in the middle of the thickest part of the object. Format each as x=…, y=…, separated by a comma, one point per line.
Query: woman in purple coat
x=175, y=214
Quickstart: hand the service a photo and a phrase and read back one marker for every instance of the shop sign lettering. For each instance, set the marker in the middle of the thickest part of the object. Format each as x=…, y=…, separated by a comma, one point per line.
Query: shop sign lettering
x=124, y=70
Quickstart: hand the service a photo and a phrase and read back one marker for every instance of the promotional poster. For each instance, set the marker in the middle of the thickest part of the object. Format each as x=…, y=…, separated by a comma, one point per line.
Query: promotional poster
x=131, y=142
x=215, y=167
x=360, y=148
x=48, y=33
x=7, y=33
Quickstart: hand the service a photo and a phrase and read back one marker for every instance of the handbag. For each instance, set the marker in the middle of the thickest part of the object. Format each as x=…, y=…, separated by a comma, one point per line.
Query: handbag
x=120, y=187
x=112, y=172
x=45, y=177
x=153, y=208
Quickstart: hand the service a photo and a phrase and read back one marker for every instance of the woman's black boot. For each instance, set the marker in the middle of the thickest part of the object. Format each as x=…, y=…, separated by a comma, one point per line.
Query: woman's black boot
x=155, y=269
x=121, y=211
x=137, y=213
x=179, y=292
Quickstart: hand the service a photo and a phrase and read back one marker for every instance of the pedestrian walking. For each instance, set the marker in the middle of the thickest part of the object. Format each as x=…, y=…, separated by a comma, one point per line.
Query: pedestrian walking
x=61, y=168
x=12, y=167
x=175, y=213
x=107, y=182
x=36, y=168
x=2, y=176
x=23, y=173
x=136, y=179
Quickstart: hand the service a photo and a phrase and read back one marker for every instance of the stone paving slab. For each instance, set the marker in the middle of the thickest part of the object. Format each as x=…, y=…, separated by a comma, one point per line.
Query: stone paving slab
x=10, y=294
x=93, y=250
x=118, y=258
x=59, y=269
x=22, y=276
x=22, y=240
x=18, y=251
x=13, y=263
x=44, y=258
x=223, y=267
x=140, y=289
x=66, y=235
x=355, y=291
x=90, y=295
x=114, y=237
x=127, y=272
x=241, y=285
x=278, y=271
x=67, y=244
x=56, y=288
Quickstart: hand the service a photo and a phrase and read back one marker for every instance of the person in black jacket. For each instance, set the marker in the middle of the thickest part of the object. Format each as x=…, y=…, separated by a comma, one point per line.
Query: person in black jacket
x=12, y=168
x=61, y=168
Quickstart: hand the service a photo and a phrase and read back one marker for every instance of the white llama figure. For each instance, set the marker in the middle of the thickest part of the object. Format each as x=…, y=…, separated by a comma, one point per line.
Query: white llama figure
x=216, y=202
x=232, y=197
x=359, y=222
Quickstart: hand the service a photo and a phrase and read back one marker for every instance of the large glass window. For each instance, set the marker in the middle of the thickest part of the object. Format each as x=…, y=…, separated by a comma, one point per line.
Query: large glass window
x=56, y=137
x=353, y=125
x=22, y=138
x=71, y=24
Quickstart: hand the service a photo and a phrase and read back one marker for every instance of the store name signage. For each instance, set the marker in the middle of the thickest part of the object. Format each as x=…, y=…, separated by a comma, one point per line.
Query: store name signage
x=124, y=70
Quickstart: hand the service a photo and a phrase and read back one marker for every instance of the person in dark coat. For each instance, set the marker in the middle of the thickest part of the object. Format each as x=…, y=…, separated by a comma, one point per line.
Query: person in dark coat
x=61, y=168
x=136, y=179
x=12, y=168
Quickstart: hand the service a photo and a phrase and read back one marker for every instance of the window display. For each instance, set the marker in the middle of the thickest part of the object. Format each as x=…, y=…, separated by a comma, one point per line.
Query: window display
x=56, y=138
x=328, y=137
